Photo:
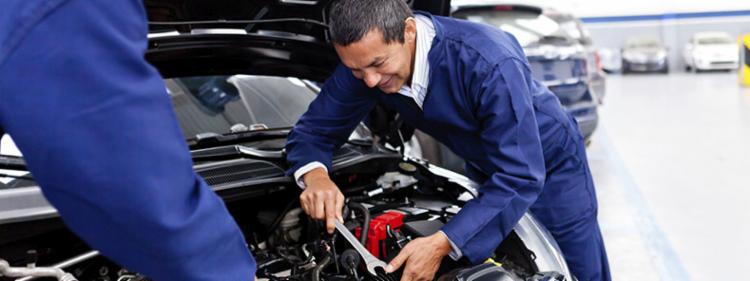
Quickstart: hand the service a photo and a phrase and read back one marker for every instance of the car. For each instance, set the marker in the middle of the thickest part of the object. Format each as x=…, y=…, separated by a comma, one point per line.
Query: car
x=574, y=27
x=554, y=50
x=644, y=54
x=610, y=59
x=240, y=74
x=711, y=51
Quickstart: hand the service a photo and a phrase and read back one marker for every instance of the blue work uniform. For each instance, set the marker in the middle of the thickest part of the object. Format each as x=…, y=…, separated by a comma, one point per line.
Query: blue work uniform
x=98, y=132
x=518, y=142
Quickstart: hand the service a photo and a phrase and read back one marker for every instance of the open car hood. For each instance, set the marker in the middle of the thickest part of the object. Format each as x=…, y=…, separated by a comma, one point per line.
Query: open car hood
x=297, y=20
x=261, y=37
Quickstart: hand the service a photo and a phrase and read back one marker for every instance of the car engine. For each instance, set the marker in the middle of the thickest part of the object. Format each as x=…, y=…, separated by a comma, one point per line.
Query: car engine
x=383, y=210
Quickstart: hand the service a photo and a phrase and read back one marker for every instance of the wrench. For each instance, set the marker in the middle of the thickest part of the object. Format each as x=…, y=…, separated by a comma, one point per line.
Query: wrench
x=371, y=262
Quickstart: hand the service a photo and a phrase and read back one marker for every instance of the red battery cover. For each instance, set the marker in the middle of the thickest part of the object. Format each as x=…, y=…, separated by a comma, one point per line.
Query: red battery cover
x=378, y=232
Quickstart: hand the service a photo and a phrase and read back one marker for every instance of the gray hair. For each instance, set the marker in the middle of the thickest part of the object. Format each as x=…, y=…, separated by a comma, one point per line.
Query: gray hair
x=350, y=20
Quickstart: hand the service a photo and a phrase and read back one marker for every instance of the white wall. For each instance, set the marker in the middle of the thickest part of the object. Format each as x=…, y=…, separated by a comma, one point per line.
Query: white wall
x=594, y=8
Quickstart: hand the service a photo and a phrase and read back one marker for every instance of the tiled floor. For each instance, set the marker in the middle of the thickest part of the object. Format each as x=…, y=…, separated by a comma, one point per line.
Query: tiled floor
x=670, y=160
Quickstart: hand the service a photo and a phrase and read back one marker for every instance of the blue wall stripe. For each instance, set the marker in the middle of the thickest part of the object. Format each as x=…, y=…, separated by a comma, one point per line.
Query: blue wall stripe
x=667, y=16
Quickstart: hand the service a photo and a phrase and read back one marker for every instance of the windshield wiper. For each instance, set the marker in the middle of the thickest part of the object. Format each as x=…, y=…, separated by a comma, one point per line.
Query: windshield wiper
x=234, y=151
x=206, y=140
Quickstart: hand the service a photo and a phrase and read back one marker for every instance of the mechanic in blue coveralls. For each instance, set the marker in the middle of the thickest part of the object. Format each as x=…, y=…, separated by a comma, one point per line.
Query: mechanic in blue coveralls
x=97, y=130
x=473, y=92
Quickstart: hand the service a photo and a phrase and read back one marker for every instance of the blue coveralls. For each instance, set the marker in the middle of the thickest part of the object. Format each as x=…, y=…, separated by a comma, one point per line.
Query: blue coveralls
x=98, y=132
x=483, y=104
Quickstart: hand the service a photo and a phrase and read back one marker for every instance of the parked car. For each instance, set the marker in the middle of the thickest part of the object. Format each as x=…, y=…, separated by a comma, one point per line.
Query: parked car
x=238, y=82
x=574, y=27
x=711, y=51
x=555, y=53
x=611, y=59
x=644, y=54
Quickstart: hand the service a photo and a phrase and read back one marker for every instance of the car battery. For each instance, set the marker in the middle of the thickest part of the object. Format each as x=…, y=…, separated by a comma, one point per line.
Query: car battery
x=378, y=232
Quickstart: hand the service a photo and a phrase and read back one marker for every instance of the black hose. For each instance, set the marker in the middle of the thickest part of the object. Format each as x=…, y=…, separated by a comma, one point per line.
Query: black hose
x=280, y=217
x=318, y=268
x=366, y=215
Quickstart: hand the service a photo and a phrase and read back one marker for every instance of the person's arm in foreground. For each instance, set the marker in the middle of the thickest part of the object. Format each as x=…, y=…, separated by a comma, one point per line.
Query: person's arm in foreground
x=97, y=130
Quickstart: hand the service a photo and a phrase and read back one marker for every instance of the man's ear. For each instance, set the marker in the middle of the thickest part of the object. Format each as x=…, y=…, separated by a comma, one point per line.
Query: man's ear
x=410, y=30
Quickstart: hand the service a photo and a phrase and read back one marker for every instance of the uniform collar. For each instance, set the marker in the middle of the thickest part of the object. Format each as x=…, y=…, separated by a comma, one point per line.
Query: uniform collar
x=421, y=74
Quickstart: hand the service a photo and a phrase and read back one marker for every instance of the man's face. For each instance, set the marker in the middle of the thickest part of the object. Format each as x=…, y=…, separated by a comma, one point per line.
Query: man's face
x=386, y=66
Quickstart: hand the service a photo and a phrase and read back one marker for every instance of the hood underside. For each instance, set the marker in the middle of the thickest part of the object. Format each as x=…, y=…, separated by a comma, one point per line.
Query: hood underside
x=268, y=37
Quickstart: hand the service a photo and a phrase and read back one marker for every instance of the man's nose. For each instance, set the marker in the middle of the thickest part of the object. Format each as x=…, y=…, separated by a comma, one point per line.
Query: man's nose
x=372, y=78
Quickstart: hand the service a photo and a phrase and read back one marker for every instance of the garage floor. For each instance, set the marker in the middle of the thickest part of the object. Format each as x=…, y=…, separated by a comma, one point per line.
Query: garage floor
x=670, y=159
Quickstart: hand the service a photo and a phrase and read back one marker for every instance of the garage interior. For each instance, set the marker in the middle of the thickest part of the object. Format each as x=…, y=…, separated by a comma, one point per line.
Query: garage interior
x=669, y=161
x=671, y=151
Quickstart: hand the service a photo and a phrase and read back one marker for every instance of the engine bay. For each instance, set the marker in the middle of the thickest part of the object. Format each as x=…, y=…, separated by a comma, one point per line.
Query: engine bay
x=384, y=210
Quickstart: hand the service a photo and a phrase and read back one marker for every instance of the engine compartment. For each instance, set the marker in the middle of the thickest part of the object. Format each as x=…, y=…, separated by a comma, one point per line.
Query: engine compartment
x=389, y=203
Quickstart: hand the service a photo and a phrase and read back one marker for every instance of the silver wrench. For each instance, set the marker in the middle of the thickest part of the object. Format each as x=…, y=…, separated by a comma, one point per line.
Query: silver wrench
x=371, y=262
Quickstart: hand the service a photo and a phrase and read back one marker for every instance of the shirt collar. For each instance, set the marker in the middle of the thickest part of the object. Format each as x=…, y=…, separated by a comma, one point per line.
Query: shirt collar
x=420, y=76
x=425, y=35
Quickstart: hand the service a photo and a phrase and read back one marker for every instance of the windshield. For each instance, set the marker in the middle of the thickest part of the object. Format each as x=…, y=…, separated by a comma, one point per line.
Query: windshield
x=715, y=41
x=572, y=27
x=528, y=27
x=223, y=104
x=643, y=43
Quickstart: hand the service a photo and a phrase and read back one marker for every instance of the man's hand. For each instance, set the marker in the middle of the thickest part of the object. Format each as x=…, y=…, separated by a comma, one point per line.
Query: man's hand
x=322, y=199
x=422, y=257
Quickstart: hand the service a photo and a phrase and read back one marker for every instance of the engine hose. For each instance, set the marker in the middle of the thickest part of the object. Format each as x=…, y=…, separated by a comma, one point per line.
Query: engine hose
x=280, y=217
x=366, y=215
x=318, y=268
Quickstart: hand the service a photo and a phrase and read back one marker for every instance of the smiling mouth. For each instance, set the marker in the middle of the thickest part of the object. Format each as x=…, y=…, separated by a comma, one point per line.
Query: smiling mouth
x=386, y=83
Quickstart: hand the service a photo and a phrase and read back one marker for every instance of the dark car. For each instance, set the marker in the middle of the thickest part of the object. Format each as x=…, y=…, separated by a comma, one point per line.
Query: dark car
x=644, y=54
x=574, y=27
x=555, y=53
x=240, y=74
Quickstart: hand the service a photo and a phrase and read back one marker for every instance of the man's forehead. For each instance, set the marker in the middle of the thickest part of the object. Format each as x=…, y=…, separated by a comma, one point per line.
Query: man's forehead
x=355, y=57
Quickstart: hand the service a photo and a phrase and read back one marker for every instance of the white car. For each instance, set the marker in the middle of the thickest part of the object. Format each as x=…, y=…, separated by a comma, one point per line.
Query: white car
x=711, y=51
